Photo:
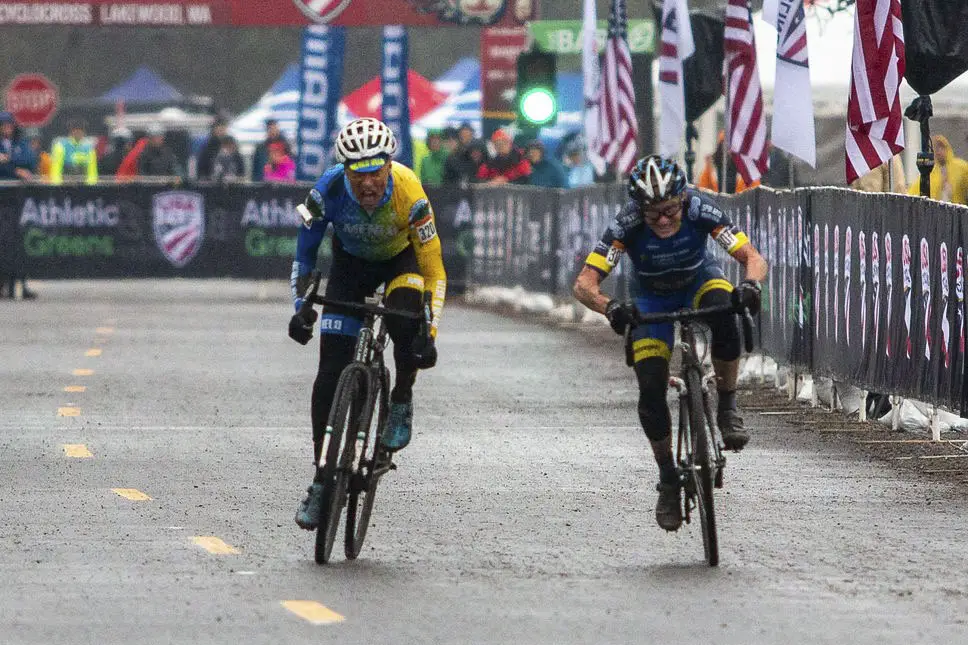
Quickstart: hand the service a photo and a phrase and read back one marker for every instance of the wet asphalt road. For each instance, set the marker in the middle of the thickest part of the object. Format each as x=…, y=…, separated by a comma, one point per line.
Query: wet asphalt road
x=521, y=512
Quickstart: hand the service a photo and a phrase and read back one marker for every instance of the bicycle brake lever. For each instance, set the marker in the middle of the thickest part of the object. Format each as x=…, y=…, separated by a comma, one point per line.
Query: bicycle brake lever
x=747, y=330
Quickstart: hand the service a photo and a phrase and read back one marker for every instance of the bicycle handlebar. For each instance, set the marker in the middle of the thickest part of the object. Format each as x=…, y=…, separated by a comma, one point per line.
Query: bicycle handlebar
x=687, y=315
x=365, y=308
x=312, y=297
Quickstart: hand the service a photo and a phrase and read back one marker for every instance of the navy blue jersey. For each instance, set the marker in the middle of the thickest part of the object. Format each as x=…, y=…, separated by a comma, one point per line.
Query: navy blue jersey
x=670, y=264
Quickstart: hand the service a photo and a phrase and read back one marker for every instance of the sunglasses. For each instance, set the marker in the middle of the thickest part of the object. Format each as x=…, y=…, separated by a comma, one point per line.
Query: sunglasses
x=653, y=214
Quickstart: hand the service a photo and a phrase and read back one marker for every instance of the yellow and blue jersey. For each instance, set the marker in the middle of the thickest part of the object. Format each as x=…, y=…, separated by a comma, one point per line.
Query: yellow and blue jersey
x=403, y=218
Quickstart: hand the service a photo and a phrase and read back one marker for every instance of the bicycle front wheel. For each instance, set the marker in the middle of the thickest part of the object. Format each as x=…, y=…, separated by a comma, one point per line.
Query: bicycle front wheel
x=704, y=473
x=344, y=417
x=373, y=463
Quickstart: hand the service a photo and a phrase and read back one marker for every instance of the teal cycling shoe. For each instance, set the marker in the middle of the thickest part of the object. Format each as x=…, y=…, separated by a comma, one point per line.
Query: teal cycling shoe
x=307, y=515
x=396, y=435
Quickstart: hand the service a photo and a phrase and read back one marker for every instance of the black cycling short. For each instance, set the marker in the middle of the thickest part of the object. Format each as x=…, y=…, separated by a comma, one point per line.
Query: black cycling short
x=353, y=279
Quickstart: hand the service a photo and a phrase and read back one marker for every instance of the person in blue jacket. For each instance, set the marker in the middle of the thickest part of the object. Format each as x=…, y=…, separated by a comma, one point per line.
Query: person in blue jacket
x=545, y=171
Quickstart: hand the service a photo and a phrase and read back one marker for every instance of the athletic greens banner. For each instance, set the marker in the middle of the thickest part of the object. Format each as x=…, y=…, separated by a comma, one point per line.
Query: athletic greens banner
x=141, y=231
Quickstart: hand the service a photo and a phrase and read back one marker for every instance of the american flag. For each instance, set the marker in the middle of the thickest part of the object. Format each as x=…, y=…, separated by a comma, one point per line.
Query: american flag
x=619, y=128
x=745, y=119
x=875, y=131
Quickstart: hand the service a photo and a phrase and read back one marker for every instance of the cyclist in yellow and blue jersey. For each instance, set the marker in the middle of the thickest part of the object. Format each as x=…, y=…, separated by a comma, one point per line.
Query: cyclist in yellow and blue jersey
x=664, y=229
x=384, y=233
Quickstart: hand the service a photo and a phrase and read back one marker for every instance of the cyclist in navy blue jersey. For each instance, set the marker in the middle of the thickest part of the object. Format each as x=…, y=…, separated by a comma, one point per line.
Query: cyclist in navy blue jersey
x=664, y=229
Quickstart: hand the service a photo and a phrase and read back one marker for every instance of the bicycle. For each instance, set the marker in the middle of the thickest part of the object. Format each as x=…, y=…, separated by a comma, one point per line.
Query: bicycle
x=699, y=443
x=353, y=458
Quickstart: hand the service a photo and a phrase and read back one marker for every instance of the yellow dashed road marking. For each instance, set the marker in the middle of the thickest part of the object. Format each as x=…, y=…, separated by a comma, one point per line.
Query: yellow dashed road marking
x=133, y=494
x=214, y=545
x=75, y=388
x=312, y=611
x=82, y=372
x=78, y=450
x=94, y=351
x=104, y=331
x=68, y=412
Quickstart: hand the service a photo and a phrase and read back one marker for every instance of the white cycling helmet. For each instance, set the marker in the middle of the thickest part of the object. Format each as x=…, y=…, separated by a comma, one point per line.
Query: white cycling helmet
x=364, y=139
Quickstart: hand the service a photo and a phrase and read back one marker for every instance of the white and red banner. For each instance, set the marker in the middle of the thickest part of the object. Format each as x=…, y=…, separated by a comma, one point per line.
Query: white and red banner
x=875, y=128
x=677, y=45
x=591, y=76
x=793, y=126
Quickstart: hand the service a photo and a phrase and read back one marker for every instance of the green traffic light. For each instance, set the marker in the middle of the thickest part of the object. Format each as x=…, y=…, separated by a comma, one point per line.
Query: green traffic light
x=538, y=105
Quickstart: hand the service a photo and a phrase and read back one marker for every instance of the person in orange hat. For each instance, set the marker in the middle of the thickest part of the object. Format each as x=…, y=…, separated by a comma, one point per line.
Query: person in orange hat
x=507, y=166
x=710, y=177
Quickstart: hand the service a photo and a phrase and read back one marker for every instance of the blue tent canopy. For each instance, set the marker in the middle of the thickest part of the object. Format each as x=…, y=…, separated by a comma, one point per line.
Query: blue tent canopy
x=143, y=86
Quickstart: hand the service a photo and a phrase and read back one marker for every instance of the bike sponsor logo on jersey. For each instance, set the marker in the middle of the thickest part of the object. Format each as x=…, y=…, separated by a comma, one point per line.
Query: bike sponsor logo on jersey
x=322, y=11
x=179, y=225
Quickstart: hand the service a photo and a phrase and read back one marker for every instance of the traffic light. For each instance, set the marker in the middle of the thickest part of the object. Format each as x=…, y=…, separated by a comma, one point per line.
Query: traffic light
x=536, y=103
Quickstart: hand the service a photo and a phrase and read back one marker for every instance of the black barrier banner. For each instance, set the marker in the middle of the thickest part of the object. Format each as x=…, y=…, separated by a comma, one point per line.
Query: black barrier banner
x=155, y=231
x=891, y=319
x=137, y=231
x=513, y=237
x=583, y=217
x=455, y=227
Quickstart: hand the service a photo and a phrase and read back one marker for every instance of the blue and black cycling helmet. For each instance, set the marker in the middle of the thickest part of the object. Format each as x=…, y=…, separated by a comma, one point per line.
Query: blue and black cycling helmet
x=655, y=179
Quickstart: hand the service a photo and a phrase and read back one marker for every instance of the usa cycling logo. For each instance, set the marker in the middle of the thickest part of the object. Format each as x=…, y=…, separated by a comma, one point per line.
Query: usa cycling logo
x=321, y=11
x=179, y=225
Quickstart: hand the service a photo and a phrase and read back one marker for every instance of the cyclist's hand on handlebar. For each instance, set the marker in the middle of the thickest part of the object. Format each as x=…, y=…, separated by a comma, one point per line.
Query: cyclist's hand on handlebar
x=620, y=315
x=301, y=325
x=748, y=294
x=424, y=349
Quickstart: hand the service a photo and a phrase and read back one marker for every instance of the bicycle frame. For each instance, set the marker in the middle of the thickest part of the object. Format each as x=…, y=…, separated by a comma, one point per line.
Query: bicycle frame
x=370, y=345
x=691, y=361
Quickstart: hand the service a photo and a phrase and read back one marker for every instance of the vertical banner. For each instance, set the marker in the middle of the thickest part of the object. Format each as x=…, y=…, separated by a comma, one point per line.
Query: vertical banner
x=500, y=48
x=396, y=93
x=320, y=89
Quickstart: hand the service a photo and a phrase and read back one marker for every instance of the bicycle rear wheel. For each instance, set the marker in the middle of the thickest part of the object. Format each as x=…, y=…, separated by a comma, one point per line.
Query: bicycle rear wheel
x=373, y=463
x=704, y=474
x=343, y=418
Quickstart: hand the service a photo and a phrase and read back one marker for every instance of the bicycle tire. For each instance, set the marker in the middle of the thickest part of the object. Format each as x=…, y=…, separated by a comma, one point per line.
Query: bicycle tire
x=703, y=456
x=342, y=417
x=357, y=514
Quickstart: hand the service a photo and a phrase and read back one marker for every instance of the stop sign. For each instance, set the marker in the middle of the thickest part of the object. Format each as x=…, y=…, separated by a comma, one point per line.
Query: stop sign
x=32, y=99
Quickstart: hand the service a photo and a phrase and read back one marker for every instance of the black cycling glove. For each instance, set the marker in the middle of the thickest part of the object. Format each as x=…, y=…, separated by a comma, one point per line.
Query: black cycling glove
x=301, y=325
x=748, y=295
x=424, y=350
x=620, y=315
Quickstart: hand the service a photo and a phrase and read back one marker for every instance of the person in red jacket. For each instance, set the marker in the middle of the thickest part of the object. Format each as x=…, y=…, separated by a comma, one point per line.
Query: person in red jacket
x=507, y=166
